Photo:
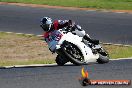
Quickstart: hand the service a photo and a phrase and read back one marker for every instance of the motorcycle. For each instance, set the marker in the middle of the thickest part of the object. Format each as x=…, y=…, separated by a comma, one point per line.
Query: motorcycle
x=73, y=48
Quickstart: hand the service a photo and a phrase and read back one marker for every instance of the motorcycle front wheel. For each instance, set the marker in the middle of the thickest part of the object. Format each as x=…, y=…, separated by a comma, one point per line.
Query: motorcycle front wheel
x=73, y=53
x=60, y=60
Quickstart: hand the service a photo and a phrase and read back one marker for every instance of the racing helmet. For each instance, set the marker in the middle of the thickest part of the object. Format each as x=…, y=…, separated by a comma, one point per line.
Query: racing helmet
x=46, y=23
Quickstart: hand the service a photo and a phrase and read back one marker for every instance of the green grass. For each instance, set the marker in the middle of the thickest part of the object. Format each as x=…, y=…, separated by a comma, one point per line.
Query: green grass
x=119, y=51
x=28, y=49
x=99, y=4
x=25, y=62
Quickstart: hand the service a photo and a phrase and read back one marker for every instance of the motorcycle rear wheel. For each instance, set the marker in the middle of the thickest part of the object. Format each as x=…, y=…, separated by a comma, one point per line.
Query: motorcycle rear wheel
x=102, y=59
x=103, y=56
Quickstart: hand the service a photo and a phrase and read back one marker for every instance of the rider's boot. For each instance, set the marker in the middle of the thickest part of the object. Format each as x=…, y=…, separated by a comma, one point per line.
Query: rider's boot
x=86, y=37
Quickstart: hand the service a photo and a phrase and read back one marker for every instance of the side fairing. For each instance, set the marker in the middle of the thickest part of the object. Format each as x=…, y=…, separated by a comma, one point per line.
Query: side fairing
x=76, y=40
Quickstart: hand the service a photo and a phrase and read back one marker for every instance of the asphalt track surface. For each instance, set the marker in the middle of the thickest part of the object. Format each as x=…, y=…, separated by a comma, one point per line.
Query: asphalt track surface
x=107, y=27
x=65, y=76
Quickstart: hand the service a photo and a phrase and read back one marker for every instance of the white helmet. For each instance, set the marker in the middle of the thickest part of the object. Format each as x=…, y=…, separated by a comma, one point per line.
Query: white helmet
x=46, y=23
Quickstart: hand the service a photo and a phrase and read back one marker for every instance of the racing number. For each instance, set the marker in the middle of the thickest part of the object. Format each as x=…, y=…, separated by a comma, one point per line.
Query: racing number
x=58, y=37
x=55, y=37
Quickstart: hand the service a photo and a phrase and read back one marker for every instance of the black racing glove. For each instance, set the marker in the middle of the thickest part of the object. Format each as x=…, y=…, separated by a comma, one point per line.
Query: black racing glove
x=71, y=26
x=71, y=23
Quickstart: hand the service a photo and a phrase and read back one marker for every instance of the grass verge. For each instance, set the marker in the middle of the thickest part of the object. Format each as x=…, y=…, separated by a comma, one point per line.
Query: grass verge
x=21, y=49
x=99, y=4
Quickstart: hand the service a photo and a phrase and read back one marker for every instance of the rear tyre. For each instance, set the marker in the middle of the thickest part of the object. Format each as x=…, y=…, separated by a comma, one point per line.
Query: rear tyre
x=103, y=56
x=102, y=59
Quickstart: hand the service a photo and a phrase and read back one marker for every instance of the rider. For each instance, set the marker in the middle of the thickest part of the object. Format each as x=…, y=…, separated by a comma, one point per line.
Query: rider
x=49, y=26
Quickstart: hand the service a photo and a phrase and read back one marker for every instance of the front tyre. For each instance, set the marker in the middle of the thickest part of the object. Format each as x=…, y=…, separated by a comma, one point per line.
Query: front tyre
x=73, y=53
x=60, y=60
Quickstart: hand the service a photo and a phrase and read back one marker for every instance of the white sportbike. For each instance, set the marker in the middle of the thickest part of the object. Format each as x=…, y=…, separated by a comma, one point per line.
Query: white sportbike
x=73, y=48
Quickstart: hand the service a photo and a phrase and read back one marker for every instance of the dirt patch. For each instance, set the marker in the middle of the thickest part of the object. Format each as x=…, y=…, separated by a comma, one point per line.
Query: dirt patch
x=23, y=49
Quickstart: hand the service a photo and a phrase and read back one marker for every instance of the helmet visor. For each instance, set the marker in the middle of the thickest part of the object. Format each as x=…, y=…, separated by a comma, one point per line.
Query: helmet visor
x=45, y=27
